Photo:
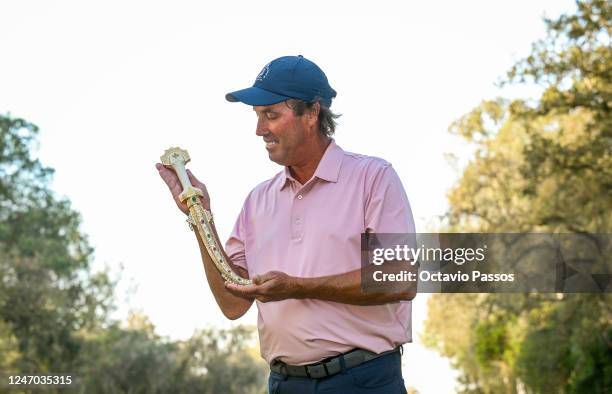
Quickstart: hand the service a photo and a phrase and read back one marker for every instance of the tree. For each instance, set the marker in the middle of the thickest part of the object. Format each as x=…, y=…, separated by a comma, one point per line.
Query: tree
x=543, y=166
x=136, y=360
x=47, y=291
x=54, y=310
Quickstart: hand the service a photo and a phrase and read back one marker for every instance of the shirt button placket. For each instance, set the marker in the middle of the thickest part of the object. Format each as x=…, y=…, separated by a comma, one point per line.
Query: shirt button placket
x=297, y=218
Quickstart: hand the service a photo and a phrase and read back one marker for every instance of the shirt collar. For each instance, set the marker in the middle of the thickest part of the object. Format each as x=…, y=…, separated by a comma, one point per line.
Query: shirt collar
x=328, y=168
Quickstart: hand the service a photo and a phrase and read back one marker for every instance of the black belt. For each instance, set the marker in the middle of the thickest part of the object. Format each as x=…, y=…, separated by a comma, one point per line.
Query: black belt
x=327, y=367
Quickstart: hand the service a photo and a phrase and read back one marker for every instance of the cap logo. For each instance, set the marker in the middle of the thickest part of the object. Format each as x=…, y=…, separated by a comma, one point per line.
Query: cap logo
x=263, y=73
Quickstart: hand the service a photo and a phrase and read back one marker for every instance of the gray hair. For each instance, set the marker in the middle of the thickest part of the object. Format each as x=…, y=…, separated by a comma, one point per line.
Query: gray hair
x=327, y=119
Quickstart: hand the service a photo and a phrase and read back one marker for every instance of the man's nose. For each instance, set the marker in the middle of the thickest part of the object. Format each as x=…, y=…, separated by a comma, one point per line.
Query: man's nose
x=260, y=130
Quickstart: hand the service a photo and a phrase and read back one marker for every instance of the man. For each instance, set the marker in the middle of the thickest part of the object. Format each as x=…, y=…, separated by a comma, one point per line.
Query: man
x=298, y=237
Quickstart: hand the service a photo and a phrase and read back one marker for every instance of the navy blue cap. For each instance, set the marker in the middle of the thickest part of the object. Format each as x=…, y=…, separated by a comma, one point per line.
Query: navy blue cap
x=285, y=78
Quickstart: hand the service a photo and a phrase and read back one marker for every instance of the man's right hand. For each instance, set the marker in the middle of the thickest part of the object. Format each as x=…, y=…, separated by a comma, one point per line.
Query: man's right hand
x=173, y=183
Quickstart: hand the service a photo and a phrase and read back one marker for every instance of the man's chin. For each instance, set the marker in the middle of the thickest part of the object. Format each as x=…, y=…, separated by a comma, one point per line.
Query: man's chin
x=275, y=158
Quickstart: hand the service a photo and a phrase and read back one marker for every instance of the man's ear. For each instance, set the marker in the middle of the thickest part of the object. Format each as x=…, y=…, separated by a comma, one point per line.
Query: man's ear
x=313, y=114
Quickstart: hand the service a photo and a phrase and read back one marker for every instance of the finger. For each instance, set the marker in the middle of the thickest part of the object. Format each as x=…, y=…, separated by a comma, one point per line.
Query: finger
x=260, y=279
x=167, y=175
x=163, y=169
x=245, y=290
x=238, y=294
x=171, y=180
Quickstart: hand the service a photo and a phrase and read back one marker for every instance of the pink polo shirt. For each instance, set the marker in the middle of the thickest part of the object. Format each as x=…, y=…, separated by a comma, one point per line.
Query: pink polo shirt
x=314, y=230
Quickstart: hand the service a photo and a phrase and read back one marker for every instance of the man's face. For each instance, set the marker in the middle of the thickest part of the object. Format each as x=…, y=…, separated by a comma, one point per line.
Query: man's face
x=283, y=132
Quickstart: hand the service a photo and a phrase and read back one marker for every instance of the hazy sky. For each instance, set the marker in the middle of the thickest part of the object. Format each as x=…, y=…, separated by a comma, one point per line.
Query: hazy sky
x=112, y=84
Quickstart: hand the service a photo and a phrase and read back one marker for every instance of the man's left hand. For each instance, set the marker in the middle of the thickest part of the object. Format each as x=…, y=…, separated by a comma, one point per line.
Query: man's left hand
x=271, y=286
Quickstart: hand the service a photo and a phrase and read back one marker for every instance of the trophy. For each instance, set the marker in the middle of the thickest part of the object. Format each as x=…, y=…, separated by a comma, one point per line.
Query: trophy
x=200, y=219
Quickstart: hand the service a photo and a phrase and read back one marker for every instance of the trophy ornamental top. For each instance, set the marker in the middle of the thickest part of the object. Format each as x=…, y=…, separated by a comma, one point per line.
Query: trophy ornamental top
x=175, y=155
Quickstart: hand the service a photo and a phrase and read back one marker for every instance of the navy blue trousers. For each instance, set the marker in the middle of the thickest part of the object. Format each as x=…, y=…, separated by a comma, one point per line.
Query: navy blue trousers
x=383, y=375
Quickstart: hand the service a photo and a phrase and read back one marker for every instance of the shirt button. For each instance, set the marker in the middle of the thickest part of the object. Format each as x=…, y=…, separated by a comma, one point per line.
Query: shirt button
x=300, y=197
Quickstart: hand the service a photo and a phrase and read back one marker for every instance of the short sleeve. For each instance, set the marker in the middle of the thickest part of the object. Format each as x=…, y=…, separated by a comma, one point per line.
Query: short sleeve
x=387, y=208
x=234, y=247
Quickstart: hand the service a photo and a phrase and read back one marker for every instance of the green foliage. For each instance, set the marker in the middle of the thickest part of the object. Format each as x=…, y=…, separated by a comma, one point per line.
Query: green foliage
x=570, y=342
x=54, y=311
x=490, y=342
x=136, y=360
x=543, y=166
x=47, y=292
